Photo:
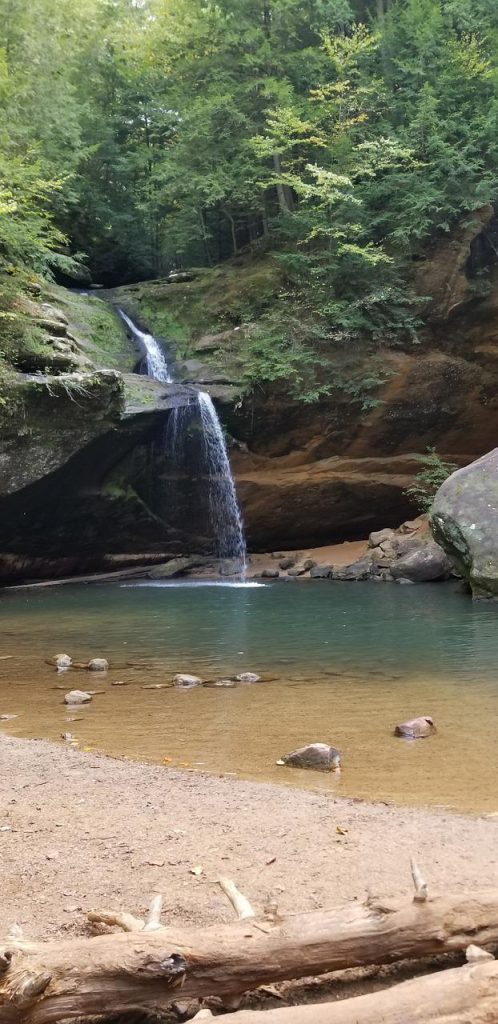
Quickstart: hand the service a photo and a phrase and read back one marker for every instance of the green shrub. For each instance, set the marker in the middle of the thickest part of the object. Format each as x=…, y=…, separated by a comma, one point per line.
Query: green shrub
x=435, y=470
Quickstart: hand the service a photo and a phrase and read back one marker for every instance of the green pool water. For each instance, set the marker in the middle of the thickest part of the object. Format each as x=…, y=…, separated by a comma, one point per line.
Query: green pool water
x=346, y=661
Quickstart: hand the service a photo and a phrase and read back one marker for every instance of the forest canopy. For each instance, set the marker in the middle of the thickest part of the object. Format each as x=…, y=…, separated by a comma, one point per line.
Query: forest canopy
x=341, y=136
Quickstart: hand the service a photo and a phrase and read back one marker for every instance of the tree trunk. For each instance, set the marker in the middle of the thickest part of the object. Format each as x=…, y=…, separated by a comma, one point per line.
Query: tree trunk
x=465, y=995
x=284, y=194
x=115, y=973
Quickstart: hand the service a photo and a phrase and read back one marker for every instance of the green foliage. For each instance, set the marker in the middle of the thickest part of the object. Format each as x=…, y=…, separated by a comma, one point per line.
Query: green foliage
x=435, y=470
x=339, y=137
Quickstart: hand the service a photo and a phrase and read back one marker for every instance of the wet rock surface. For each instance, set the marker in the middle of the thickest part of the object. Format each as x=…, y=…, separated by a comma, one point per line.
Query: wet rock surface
x=319, y=756
x=77, y=697
x=416, y=728
x=183, y=679
x=464, y=521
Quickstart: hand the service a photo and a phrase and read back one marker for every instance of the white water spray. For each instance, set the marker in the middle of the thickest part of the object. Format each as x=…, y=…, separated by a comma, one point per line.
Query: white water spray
x=224, y=507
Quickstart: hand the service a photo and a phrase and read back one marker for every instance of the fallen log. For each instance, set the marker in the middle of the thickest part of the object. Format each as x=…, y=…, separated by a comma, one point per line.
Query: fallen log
x=144, y=967
x=464, y=995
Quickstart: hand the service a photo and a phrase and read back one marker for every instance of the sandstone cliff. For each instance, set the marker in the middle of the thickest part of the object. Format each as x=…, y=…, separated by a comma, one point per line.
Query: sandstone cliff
x=84, y=478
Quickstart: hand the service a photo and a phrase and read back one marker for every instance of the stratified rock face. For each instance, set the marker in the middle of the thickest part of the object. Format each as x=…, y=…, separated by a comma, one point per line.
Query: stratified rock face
x=464, y=521
x=339, y=468
x=86, y=482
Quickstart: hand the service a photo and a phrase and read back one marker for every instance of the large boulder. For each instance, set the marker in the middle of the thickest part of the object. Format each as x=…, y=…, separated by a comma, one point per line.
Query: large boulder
x=423, y=564
x=464, y=521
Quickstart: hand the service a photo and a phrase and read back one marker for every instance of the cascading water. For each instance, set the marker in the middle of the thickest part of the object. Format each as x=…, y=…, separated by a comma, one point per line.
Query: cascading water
x=155, y=363
x=226, y=518
x=224, y=507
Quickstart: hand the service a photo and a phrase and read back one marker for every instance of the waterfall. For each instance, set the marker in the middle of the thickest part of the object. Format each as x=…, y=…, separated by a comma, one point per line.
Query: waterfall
x=225, y=515
x=224, y=507
x=155, y=362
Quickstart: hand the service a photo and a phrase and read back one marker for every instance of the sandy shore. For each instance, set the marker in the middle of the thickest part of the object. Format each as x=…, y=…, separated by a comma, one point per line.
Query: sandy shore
x=80, y=831
x=332, y=554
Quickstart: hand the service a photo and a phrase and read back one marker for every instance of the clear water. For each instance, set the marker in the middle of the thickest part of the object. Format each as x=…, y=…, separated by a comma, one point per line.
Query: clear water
x=343, y=663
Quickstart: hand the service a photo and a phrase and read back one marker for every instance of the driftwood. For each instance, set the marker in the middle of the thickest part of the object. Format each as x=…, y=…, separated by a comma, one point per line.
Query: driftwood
x=147, y=966
x=465, y=995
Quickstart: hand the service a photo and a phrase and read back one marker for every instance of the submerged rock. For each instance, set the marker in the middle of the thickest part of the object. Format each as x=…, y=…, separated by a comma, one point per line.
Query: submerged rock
x=7, y=718
x=77, y=697
x=184, y=680
x=228, y=683
x=62, y=661
x=319, y=756
x=464, y=521
x=248, y=677
x=416, y=728
x=98, y=665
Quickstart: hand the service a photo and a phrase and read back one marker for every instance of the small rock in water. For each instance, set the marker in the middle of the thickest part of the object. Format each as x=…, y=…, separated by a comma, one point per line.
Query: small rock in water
x=270, y=574
x=62, y=661
x=183, y=679
x=119, y=682
x=248, y=677
x=77, y=697
x=7, y=718
x=320, y=756
x=416, y=728
x=98, y=665
x=221, y=682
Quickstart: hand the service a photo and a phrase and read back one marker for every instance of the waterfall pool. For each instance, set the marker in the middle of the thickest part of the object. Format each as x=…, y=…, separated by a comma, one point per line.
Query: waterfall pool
x=345, y=663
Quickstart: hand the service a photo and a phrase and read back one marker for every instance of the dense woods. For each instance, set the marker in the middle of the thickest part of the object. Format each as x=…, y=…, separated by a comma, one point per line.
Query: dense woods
x=138, y=136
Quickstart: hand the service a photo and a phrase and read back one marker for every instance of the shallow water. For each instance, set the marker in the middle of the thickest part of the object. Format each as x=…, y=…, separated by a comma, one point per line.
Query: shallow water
x=348, y=661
